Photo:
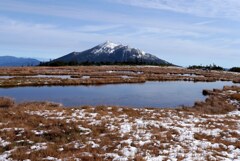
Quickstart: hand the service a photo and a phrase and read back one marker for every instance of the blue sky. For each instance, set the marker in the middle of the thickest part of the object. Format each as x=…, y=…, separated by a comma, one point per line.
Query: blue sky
x=182, y=32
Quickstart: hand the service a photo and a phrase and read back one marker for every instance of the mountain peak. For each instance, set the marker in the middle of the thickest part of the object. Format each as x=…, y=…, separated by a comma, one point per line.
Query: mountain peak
x=106, y=47
x=109, y=44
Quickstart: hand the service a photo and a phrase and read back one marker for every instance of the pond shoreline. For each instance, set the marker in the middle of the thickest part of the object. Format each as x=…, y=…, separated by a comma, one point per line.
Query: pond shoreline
x=38, y=130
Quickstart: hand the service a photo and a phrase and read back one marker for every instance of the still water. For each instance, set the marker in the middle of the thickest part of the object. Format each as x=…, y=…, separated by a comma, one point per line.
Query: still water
x=149, y=94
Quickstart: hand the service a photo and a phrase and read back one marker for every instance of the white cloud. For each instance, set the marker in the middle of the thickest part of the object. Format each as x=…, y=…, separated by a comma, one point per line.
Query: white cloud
x=204, y=8
x=97, y=28
x=204, y=23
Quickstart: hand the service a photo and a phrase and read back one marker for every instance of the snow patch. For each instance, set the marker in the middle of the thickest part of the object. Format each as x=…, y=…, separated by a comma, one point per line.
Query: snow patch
x=51, y=158
x=107, y=47
x=125, y=128
x=129, y=151
x=94, y=145
x=39, y=132
x=84, y=130
x=39, y=146
x=3, y=143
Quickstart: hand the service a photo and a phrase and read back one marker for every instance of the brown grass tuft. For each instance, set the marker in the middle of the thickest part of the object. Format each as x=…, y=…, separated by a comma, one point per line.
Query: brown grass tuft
x=6, y=102
x=235, y=96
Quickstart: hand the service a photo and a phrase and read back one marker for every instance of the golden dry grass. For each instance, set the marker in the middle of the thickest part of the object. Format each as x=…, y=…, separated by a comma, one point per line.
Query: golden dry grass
x=108, y=75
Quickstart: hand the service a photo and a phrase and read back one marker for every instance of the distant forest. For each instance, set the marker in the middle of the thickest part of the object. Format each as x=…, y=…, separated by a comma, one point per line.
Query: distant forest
x=214, y=67
x=87, y=63
x=207, y=67
x=235, y=69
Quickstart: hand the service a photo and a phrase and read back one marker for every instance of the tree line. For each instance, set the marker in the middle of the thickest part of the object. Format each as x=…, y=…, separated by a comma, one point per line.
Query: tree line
x=214, y=67
x=88, y=63
x=207, y=67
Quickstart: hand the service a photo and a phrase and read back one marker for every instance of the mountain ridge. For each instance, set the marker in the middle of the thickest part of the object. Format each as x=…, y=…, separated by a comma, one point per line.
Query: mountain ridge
x=110, y=53
x=11, y=61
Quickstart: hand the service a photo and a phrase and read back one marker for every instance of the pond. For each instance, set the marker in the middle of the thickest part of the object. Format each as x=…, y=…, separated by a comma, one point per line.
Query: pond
x=149, y=94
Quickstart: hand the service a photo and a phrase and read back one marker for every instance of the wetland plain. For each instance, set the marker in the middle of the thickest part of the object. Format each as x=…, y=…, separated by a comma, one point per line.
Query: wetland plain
x=58, y=113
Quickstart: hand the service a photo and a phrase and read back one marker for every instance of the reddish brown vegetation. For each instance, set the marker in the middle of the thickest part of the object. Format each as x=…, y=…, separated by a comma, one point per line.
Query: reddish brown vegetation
x=108, y=75
x=236, y=96
x=6, y=102
x=217, y=101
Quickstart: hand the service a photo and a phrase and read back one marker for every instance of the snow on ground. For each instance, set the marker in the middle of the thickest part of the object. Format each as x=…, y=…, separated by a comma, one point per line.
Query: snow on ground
x=4, y=143
x=5, y=155
x=39, y=146
x=167, y=134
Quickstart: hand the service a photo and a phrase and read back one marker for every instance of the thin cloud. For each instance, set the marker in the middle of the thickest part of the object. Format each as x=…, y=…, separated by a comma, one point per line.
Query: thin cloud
x=204, y=23
x=100, y=16
x=68, y=12
x=204, y=8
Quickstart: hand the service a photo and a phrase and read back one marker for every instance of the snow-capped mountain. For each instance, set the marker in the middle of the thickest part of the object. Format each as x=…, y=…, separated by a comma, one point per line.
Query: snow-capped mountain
x=110, y=52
